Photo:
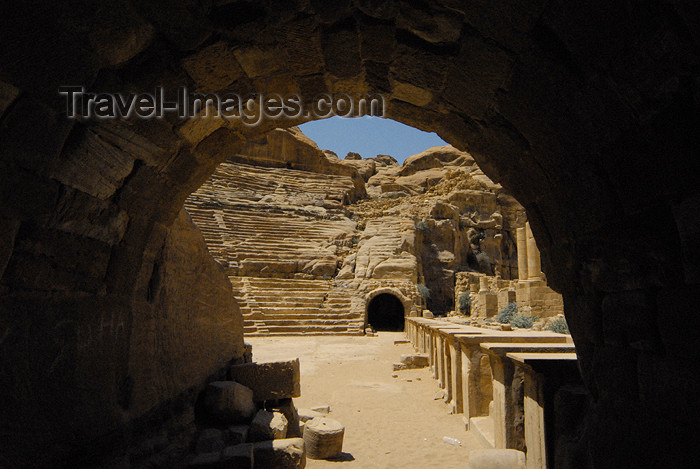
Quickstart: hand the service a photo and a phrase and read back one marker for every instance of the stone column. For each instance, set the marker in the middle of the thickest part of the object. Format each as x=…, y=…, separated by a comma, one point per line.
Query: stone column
x=456, y=378
x=483, y=285
x=534, y=268
x=521, y=240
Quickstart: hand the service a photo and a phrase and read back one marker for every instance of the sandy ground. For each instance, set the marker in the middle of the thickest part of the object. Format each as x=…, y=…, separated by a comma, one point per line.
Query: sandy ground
x=389, y=422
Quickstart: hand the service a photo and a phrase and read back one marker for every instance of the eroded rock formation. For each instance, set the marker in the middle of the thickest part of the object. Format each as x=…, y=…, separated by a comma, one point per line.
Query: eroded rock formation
x=463, y=221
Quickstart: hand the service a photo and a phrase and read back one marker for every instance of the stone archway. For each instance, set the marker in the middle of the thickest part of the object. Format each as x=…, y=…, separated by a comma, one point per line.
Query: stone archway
x=596, y=139
x=386, y=312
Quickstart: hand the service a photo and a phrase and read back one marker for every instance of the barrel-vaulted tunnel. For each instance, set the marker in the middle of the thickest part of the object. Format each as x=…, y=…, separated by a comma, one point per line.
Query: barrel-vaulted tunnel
x=586, y=113
x=385, y=312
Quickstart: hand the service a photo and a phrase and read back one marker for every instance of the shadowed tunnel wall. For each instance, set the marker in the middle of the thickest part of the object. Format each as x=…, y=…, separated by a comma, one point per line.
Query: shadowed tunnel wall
x=586, y=113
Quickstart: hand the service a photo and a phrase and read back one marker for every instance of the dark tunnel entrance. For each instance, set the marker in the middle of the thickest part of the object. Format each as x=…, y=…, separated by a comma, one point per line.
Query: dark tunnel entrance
x=385, y=312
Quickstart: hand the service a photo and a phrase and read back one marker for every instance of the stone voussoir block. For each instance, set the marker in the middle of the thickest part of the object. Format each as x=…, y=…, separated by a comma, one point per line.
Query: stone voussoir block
x=272, y=380
x=229, y=402
x=210, y=440
x=238, y=456
x=289, y=453
x=205, y=461
x=237, y=434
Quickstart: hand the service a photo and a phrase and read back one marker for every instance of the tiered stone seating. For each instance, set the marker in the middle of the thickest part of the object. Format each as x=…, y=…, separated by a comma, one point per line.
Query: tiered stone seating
x=235, y=235
x=387, y=238
x=272, y=306
x=234, y=183
x=280, y=230
x=266, y=226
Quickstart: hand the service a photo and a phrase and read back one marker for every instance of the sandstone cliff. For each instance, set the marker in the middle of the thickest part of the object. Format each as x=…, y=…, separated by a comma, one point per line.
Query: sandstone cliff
x=462, y=220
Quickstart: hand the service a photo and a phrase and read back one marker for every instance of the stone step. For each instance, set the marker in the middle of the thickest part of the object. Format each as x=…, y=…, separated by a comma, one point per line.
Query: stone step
x=272, y=323
x=483, y=429
x=345, y=317
x=306, y=329
x=288, y=302
x=305, y=333
x=269, y=312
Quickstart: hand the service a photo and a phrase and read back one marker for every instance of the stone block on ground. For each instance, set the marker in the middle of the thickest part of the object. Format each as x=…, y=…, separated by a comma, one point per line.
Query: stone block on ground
x=289, y=410
x=322, y=409
x=289, y=453
x=308, y=414
x=210, y=440
x=273, y=380
x=496, y=459
x=402, y=341
x=323, y=438
x=237, y=434
x=417, y=360
x=268, y=426
x=229, y=402
x=238, y=456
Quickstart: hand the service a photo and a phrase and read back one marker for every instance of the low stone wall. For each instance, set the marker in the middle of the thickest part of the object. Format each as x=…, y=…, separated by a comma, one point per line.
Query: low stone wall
x=488, y=295
x=505, y=384
x=541, y=300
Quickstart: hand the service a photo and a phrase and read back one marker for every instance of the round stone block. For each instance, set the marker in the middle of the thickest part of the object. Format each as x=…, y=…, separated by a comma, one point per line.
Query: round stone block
x=323, y=438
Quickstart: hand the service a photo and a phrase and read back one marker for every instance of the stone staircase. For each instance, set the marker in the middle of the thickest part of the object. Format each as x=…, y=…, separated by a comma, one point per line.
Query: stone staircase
x=273, y=306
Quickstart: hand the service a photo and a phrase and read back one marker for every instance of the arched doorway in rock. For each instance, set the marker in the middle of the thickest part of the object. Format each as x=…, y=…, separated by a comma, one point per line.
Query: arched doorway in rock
x=385, y=312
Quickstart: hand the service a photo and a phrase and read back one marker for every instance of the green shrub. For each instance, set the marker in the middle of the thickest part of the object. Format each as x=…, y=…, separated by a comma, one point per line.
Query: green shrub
x=558, y=325
x=422, y=226
x=505, y=315
x=521, y=320
x=465, y=303
x=423, y=291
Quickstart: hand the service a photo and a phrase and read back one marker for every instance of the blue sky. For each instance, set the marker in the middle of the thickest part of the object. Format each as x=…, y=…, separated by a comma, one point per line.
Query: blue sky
x=370, y=136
